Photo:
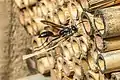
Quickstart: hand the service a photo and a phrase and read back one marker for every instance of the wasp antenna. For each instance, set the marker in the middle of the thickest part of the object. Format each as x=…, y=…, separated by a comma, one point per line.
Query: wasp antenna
x=81, y=22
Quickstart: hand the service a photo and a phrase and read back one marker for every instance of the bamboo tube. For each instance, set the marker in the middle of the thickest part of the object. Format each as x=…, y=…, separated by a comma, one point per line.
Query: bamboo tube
x=66, y=11
x=20, y=3
x=92, y=63
x=42, y=69
x=93, y=2
x=49, y=17
x=58, y=51
x=70, y=64
x=29, y=2
x=102, y=3
x=79, y=8
x=76, y=48
x=56, y=18
x=25, y=17
x=43, y=8
x=67, y=70
x=66, y=78
x=85, y=65
x=85, y=43
x=99, y=44
x=66, y=51
x=108, y=44
x=81, y=30
x=95, y=76
x=23, y=3
x=22, y=18
x=44, y=65
x=60, y=2
x=84, y=4
x=84, y=48
x=30, y=30
x=103, y=19
x=59, y=75
x=78, y=72
x=70, y=48
x=112, y=44
x=75, y=77
x=109, y=62
x=61, y=15
x=37, y=11
x=53, y=74
x=60, y=63
x=30, y=11
x=73, y=11
x=88, y=25
x=51, y=6
x=33, y=29
x=39, y=25
x=115, y=76
x=94, y=52
x=38, y=41
x=92, y=75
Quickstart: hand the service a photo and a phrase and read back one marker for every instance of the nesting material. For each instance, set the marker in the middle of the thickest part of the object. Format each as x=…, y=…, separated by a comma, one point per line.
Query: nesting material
x=60, y=63
x=109, y=44
x=56, y=18
x=76, y=47
x=84, y=4
x=87, y=19
x=66, y=53
x=25, y=17
x=94, y=76
x=61, y=15
x=73, y=10
x=78, y=72
x=53, y=74
x=45, y=64
x=38, y=41
x=67, y=70
x=95, y=4
x=37, y=11
x=105, y=17
x=89, y=54
x=115, y=76
x=79, y=8
x=109, y=62
x=85, y=65
x=60, y=2
x=85, y=43
x=44, y=8
x=92, y=63
x=66, y=10
x=51, y=6
x=23, y=3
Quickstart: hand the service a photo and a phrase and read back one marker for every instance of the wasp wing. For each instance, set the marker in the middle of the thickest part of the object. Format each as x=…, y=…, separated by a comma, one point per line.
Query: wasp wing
x=52, y=24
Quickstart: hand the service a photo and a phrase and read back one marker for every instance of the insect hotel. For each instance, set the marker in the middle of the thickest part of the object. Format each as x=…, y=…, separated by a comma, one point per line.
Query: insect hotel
x=70, y=39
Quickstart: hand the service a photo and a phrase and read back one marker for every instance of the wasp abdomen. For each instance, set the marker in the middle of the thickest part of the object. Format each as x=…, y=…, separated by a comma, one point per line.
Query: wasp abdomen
x=46, y=34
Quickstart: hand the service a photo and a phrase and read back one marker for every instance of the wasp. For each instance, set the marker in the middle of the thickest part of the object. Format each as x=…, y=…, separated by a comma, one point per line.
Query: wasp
x=62, y=31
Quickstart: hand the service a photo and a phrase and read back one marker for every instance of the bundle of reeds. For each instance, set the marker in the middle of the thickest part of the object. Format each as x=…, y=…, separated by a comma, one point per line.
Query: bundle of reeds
x=92, y=53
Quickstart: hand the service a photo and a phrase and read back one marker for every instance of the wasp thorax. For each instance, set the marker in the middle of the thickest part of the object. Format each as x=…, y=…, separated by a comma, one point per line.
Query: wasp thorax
x=65, y=31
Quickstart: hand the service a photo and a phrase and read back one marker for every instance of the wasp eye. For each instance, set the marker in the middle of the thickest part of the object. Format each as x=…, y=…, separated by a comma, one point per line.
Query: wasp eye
x=74, y=28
